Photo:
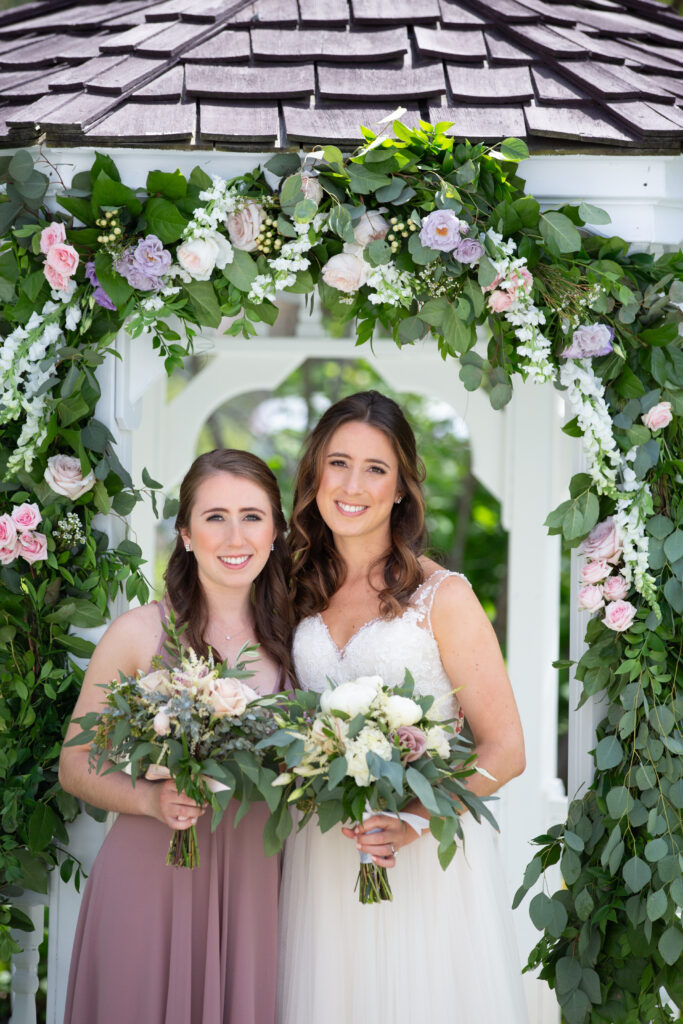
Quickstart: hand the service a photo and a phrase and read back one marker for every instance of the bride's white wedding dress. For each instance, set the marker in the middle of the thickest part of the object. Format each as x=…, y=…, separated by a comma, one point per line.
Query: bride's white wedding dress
x=444, y=951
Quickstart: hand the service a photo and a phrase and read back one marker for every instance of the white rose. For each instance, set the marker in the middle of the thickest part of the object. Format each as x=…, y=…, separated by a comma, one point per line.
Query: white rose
x=224, y=249
x=371, y=227
x=244, y=226
x=198, y=257
x=437, y=740
x=346, y=272
x=311, y=188
x=63, y=475
x=401, y=711
x=353, y=698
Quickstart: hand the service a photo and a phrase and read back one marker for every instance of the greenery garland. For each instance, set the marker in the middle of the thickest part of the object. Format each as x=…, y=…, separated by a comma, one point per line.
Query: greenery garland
x=414, y=235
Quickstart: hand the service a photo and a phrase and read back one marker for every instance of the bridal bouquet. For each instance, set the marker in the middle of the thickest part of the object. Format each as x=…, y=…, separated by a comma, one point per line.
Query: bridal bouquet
x=364, y=747
x=197, y=722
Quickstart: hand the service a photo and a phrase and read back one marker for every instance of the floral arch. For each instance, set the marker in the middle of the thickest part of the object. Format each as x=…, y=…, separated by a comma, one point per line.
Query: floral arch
x=413, y=236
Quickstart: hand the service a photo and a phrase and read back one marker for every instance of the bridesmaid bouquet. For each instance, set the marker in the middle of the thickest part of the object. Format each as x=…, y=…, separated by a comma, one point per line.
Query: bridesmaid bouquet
x=198, y=723
x=364, y=747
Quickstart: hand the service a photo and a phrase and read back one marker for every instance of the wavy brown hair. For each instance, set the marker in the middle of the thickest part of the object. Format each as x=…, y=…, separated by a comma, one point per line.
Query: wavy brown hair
x=318, y=568
x=269, y=597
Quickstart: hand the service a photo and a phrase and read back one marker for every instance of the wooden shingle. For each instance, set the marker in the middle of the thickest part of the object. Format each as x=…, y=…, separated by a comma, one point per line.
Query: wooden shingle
x=489, y=85
x=324, y=13
x=481, y=121
x=278, y=45
x=373, y=12
x=339, y=124
x=239, y=122
x=463, y=46
x=581, y=125
x=224, y=48
x=145, y=124
x=377, y=84
x=237, y=82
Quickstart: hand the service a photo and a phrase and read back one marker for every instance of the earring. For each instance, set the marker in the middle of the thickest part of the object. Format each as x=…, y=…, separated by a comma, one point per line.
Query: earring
x=399, y=500
x=272, y=546
x=188, y=547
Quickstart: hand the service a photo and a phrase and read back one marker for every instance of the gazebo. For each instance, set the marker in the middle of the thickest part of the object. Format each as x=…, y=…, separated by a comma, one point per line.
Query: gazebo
x=594, y=88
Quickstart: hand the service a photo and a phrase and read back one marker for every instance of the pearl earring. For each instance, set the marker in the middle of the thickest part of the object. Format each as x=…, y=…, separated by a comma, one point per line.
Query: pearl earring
x=272, y=546
x=399, y=500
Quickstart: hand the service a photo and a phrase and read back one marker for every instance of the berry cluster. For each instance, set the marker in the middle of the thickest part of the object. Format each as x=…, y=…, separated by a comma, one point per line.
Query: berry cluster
x=112, y=222
x=399, y=230
x=268, y=240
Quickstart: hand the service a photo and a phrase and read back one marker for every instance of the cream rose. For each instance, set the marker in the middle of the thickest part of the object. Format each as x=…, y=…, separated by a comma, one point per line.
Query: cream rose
x=346, y=272
x=230, y=697
x=371, y=227
x=244, y=226
x=63, y=475
x=200, y=256
x=156, y=682
x=311, y=188
x=619, y=615
x=401, y=711
x=658, y=416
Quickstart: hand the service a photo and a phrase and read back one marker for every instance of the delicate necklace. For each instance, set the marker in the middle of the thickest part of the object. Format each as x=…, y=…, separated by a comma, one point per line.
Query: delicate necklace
x=237, y=632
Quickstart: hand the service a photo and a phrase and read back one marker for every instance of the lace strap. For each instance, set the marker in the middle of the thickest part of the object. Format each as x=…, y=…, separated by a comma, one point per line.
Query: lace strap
x=424, y=597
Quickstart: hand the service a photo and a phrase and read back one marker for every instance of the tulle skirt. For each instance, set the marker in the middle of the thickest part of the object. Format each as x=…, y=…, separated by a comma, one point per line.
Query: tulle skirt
x=444, y=951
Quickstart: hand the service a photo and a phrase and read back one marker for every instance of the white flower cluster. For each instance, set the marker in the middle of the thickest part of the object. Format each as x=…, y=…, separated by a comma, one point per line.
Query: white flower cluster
x=144, y=319
x=221, y=201
x=390, y=285
x=27, y=362
x=611, y=471
x=289, y=260
x=69, y=530
x=513, y=284
x=369, y=739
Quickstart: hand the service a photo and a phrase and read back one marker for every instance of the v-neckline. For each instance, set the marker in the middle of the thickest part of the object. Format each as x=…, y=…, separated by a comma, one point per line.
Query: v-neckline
x=341, y=651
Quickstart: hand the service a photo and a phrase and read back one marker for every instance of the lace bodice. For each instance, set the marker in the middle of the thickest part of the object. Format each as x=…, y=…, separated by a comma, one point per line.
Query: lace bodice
x=385, y=647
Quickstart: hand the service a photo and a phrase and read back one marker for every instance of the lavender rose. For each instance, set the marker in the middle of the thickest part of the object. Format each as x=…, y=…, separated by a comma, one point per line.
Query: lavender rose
x=136, y=278
x=604, y=542
x=469, y=251
x=413, y=743
x=99, y=294
x=619, y=615
x=658, y=416
x=442, y=230
x=589, y=341
x=150, y=257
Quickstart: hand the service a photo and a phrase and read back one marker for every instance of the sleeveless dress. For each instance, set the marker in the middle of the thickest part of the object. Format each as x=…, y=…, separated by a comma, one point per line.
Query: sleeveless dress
x=444, y=951
x=162, y=945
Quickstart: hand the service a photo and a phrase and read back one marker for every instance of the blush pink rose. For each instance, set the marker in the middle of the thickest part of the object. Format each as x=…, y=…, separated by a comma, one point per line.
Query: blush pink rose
x=590, y=599
x=156, y=682
x=63, y=258
x=370, y=228
x=8, y=532
x=346, y=272
x=8, y=552
x=593, y=572
x=63, y=475
x=658, y=416
x=26, y=516
x=522, y=280
x=244, y=226
x=413, y=741
x=615, y=588
x=32, y=546
x=311, y=188
x=53, y=234
x=60, y=282
x=230, y=697
x=161, y=724
x=499, y=301
x=619, y=615
x=604, y=542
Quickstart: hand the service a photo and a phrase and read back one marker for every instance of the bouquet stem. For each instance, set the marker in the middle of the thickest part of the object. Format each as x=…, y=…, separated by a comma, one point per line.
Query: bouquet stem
x=373, y=884
x=183, y=851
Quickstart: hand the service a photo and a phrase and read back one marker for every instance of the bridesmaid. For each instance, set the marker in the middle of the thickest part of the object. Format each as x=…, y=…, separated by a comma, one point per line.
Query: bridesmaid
x=156, y=944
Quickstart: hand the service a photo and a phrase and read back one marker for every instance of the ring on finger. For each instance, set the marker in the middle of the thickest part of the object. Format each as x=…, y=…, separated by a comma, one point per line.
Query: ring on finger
x=393, y=851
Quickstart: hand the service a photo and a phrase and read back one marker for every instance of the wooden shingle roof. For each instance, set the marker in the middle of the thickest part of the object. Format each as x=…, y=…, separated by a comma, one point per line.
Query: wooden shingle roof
x=276, y=73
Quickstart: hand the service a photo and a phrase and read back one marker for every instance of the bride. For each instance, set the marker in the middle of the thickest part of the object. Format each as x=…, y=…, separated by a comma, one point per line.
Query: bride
x=367, y=601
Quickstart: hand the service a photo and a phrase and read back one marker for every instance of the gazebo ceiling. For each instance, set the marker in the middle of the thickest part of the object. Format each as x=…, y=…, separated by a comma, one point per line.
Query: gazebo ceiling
x=275, y=73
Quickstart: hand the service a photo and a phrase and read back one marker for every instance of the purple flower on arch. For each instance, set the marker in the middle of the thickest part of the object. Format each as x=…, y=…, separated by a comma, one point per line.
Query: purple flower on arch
x=590, y=341
x=99, y=294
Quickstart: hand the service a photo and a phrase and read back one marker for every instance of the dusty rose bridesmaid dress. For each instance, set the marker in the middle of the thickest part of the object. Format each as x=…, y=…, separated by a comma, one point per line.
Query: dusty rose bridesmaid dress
x=162, y=945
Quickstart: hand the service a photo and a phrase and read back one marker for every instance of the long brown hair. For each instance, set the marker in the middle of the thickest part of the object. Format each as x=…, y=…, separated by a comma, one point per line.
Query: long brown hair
x=318, y=569
x=270, y=597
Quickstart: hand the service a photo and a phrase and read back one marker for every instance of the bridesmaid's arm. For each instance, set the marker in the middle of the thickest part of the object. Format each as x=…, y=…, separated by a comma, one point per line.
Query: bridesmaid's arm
x=128, y=645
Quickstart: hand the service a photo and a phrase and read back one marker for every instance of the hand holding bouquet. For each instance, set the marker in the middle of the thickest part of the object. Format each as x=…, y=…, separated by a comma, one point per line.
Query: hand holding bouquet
x=197, y=722
x=364, y=745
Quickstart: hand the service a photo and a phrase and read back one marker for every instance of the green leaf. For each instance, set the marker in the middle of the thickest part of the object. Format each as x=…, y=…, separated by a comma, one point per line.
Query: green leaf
x=76, y=645
x=660, y=336
x=575, y=1007
x=200, y=179
x=164, y=219
x=41, y=827
x=204, y=302
x=584, y=904
x=593, y=214
x=410, y=329
x=109, y=193
x=673, y=592
x=659, y=526
x=486, y=273
x=336, y=772
x=33, y=870
x=172, y=186
x=422, y=255
x=124, y=502
x=242, y=271
x=655, y=850
x=609, y=753
x=363, y=181
x=567, y=974
x=570, y=865
x=291, y=193
x=514, y=149
x=656, y=904
x=101, y=163
x=673, y=546
x=21, y=166
x=116, y=287
x=559, y=229
x=573, y=841
x=422, y=790
x=670, y=944
x=636, y=874
x=283, y=164
x=78, y=207
x=619, y=802
x=377, y=253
